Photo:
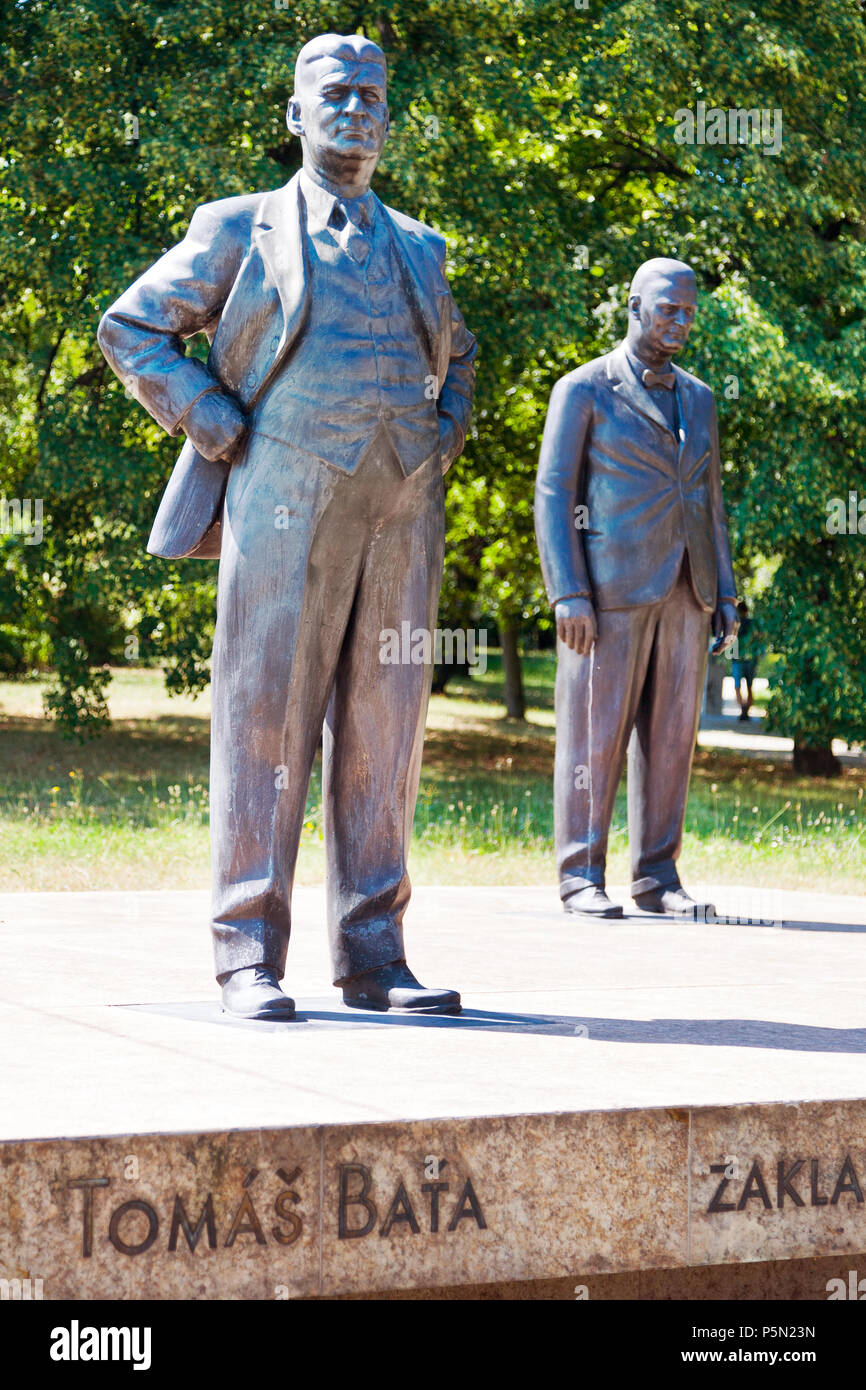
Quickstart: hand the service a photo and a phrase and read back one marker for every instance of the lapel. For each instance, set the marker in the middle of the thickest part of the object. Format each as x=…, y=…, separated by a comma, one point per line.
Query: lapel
x=280, y=234
x=626, y=384
x=419, y=271
x=270, y=301
x=279, y=237
x=686, y=403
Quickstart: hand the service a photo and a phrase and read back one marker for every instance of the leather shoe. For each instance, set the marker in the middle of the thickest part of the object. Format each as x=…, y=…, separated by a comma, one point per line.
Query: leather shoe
x=591, y=901
x=394, y=987
x=677, y=902
x=254, y=993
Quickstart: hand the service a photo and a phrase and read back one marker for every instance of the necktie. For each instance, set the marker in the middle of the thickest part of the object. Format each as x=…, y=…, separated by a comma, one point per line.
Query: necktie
x=665, y=379
x=351, y=217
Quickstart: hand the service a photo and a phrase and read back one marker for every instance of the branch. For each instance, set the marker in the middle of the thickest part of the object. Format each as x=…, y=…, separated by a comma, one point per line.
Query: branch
x=92, y=374
x=46, y=374
x=659, y=160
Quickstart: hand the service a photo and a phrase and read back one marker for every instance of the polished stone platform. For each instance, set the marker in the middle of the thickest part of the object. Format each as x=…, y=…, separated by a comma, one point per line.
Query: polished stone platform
x=620, y=1098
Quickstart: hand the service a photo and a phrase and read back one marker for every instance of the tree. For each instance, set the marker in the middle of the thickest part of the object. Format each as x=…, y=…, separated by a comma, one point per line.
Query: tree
x=544, y=140
x=776, y=238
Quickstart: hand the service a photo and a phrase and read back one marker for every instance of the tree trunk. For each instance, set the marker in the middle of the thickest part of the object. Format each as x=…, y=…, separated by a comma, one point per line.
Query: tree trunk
x=515, y=702
x=816, y=760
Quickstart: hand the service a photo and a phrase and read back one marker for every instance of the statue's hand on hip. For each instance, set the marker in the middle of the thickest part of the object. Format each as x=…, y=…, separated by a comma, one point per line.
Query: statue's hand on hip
x=216, y=426
x=576, y=625
x=726, y=625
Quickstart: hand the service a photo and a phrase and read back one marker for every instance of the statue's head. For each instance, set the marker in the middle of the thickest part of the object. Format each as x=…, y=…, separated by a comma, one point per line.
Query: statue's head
x=662, y=302
x=339, y=107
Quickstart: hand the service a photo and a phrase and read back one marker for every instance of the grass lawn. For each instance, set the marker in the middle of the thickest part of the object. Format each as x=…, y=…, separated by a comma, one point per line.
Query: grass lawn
x=130, y=809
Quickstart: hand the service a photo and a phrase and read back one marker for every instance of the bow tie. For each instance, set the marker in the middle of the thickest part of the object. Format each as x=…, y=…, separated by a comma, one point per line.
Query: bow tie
x=665, y=379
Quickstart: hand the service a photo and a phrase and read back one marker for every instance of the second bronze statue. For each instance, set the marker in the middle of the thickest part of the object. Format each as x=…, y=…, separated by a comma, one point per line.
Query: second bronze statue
x=634, y=550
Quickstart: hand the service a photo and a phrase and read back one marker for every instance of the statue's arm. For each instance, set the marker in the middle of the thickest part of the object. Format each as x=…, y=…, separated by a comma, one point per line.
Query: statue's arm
x=557, y=487
x=455, y=397
x=142, y=336
x=725, y=621
x=727, y=587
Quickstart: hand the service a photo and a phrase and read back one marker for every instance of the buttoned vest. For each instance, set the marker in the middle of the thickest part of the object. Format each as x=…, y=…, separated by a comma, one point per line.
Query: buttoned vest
x=360, y=363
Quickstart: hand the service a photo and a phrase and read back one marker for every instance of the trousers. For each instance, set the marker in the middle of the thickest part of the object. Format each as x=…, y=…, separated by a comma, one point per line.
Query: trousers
x=638, y=694
x=316, y=564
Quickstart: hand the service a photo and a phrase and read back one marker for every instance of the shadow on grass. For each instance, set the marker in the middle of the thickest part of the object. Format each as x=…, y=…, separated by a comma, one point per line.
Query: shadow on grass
x=144, y=745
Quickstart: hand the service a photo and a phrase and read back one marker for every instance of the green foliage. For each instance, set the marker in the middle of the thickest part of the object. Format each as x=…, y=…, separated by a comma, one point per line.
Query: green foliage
x=540, y=138
x=131, y=808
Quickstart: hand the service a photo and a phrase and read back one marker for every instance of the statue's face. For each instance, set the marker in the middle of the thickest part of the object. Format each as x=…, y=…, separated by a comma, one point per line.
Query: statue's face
x=341, y=110
x=667, y=312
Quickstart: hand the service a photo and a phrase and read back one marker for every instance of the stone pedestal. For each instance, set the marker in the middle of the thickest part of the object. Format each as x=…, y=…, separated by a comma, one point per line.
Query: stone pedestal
x=646, y=1109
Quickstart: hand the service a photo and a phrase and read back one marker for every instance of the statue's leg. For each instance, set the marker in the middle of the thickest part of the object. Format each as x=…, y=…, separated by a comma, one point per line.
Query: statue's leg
x=663, y=742
x=374, y=731
x=596, y=699
x=291, y=554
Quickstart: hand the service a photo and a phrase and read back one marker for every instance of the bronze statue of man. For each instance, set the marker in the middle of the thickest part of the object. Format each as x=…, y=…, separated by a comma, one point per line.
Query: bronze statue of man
x=336, y=394
x=634, y=550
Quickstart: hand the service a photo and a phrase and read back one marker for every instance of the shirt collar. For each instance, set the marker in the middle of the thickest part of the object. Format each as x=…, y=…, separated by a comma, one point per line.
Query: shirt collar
x=320, y=203
x=639, y=367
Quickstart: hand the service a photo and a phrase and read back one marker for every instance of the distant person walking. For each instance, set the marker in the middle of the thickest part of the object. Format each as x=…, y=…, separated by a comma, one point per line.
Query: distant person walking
x=744, y=664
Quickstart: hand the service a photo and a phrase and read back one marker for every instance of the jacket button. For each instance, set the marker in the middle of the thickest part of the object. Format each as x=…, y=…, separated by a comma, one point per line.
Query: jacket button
x=251, y=378
x=275, y=343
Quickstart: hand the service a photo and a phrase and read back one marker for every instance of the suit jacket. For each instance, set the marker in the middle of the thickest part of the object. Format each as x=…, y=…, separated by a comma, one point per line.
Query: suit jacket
x=650, y=496
x=241, y=276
